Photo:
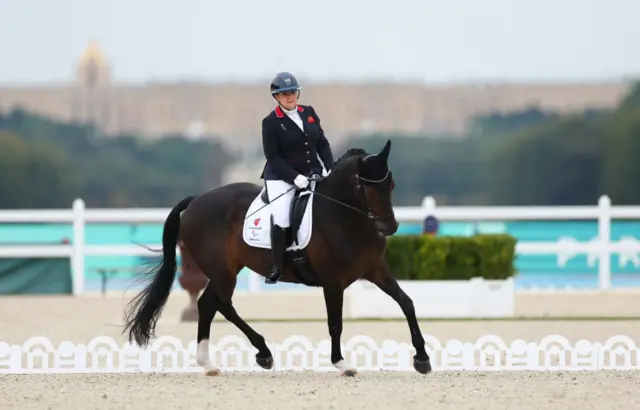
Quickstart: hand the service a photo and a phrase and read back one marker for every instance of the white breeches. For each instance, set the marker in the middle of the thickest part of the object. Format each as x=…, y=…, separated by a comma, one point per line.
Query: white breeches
x=281, y=208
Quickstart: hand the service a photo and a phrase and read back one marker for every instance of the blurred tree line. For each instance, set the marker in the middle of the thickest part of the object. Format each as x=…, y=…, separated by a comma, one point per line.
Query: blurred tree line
x=530, y=157
x=46, y=163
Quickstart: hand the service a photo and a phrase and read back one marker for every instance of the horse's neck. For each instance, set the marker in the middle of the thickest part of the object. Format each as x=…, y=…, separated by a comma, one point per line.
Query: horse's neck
x=341, y=191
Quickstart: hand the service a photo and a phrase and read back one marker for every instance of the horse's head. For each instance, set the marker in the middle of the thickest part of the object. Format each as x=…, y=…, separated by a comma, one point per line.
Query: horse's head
x=374, y=185
x=364, y=182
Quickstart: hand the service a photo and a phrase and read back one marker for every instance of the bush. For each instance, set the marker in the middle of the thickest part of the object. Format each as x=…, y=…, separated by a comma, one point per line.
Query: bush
x=422, y=257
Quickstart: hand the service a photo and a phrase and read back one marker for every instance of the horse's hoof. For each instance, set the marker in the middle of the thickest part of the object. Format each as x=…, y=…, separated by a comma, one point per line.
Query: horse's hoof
x=265, y=362
x=345, y=369
x=350, y=373
x=271, y=281
x=212, y=372
x=422, y=366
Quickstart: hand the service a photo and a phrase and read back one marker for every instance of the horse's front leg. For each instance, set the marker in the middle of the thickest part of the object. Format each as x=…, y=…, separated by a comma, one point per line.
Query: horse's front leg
x=384, y=280
x=333, y=299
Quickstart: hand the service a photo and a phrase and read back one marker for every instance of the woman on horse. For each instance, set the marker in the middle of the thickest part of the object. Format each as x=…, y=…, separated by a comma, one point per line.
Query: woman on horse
x=295, y=148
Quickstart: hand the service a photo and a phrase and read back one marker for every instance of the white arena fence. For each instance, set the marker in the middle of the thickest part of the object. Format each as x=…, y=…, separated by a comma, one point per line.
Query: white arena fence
x=167, y=354
x=599, y=248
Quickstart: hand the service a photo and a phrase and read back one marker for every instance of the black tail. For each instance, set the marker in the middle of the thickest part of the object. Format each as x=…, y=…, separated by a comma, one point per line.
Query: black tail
x=145, y=308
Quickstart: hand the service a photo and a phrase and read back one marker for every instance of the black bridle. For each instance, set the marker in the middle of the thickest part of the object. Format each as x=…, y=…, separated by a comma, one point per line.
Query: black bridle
x=360, y=182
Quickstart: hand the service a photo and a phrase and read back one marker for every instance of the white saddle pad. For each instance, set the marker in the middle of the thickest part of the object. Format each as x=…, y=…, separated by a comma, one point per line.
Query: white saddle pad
x=256, y=230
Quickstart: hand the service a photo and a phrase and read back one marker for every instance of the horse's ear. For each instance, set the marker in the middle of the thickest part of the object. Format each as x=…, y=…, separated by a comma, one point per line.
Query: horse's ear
x=385, y=150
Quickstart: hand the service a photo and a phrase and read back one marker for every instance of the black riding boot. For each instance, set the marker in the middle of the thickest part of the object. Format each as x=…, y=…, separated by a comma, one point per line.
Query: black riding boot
x=277, y=251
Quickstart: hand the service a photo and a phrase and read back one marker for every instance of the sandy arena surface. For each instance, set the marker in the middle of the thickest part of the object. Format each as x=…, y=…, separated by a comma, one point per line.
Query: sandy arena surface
x=80, y=319
x=443, y=390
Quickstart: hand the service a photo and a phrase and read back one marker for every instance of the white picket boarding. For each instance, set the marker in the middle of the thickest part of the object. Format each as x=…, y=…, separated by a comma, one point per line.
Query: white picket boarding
x=167, y=354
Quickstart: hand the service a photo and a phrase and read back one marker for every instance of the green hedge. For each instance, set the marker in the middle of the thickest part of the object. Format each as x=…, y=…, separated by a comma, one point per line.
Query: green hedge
x=422, y=257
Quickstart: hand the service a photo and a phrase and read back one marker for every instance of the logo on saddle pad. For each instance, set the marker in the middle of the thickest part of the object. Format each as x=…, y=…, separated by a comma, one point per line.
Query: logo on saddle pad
x=255, y=229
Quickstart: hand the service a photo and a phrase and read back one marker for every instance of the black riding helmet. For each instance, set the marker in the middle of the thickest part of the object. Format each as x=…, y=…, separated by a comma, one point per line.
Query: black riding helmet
x=284, y=82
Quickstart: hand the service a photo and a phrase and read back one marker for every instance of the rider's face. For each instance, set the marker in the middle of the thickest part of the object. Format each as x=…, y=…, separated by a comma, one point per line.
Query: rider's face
x=288, y=99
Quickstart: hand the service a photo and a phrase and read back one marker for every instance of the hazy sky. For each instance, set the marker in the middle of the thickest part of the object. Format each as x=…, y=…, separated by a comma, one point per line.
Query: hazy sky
x=424, y=40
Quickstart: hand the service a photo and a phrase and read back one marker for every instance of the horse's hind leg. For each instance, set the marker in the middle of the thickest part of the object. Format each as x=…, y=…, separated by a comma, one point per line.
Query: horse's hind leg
x=383, y=278
x=264, y=358
x=207, y=307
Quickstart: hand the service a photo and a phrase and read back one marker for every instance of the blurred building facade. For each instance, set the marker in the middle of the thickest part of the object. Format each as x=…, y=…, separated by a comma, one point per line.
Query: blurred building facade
x=233, y=111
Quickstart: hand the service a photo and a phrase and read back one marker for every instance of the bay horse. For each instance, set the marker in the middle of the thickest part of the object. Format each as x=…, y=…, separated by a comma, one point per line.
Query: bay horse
x=352, y=214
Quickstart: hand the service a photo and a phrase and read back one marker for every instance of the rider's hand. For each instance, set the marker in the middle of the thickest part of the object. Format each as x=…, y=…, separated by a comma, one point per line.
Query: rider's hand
x=301, y=182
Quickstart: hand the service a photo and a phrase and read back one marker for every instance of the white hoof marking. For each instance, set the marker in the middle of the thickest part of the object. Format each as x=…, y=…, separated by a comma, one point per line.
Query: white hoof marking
x=203, y=359
x=345, y=369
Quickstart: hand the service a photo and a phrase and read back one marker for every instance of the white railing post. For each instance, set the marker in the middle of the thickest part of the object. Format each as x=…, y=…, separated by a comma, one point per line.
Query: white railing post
x=601, y=246
x=429, y=205
x=604, y=236
x=77, y=255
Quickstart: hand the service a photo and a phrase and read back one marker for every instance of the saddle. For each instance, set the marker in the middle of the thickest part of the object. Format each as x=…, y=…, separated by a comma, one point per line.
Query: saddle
x=296, y=213
x=302, y=267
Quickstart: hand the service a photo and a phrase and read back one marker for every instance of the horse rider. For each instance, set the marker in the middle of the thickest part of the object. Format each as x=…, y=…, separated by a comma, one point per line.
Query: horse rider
x=295, y=147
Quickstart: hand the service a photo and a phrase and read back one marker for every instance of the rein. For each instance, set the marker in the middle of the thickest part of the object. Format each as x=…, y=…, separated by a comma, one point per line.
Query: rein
x=369, y=212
